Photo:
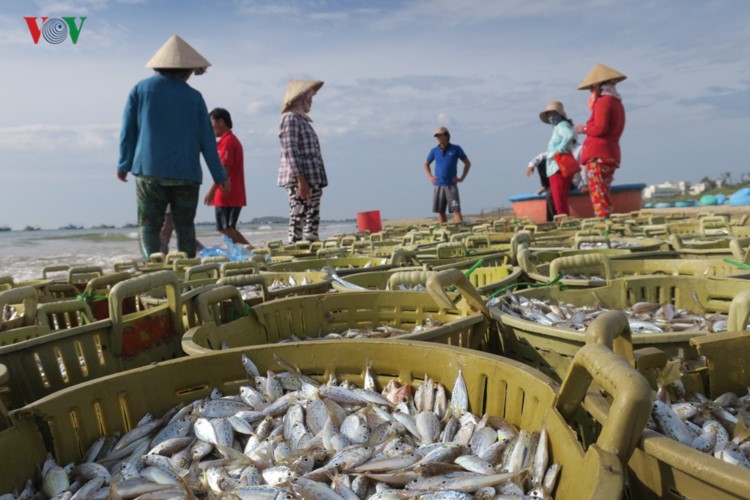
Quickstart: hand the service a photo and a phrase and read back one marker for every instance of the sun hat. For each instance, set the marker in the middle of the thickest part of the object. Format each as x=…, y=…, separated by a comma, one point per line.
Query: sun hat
x=600, y=74
x=176, y=53
x=295, y=88
x=555, y=106
x=441, y=131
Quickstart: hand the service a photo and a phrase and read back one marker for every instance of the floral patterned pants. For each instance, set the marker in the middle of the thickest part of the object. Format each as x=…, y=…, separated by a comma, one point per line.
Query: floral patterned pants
x=600, y=175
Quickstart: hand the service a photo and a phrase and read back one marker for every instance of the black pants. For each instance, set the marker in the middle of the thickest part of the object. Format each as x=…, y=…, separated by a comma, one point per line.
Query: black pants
x=549, y=202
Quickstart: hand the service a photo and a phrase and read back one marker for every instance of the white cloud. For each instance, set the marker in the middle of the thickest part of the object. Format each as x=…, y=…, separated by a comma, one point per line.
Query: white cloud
x=259, y=107
x=53, y=137
x=76, y=7
x=456, y=12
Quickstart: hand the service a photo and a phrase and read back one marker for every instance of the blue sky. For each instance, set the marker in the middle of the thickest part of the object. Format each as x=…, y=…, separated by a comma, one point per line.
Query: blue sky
x=394, y=70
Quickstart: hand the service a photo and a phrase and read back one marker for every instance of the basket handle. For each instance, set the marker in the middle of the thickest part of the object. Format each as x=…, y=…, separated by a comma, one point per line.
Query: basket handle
x=712, y=222
x=740, y=248
x=241, y=267
x=181, y=264
x=332, y=252
x=402, y=257
x=54, y=268
x=592, y=239
x=739, y=311
x=572, y=262
x=477, y=241
x=460, y=236
x=218, y=259
x=246, y=280
x=62, y=307
x=675, y=241
x=523, y=259
x=407, y=278
x=612, y=330
x=347, y=241
x=135, y=286
x=26, y=295
x=214, y=296
x=655, y=230
x=559, y=219
x=124, y=265
x=438, y=281
x=213, y=270
x=632, y=397
x=105, y=281
x=6, y=282
x=519, y=239
x=588, y=229
x=77, y=272
x=451, y=249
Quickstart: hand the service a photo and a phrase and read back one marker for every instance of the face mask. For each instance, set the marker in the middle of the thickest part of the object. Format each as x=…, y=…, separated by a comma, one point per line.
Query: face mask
x=555, y=119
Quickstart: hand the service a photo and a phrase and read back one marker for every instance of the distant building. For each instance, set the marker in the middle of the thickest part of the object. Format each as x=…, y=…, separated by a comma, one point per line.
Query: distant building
x=699, y=188
x=665, y=190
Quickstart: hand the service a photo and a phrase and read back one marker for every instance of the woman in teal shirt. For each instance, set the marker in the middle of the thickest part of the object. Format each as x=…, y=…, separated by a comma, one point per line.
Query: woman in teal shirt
x=563, y=140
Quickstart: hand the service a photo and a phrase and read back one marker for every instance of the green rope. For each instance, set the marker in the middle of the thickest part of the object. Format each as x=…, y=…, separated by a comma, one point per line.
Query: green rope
x=84, y=297
x=474, y=267
x=736, y=263
x=234, y=314
x=468, y=272
x=556, y=281
x=247, y=310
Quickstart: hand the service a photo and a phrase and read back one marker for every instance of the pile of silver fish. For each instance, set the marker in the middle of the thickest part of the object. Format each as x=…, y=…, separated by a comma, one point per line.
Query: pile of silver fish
x=719, y=427
x=286, y=435
x=379, y=332
x=611, y=244
x=416, y=288
x=9, y=313
x=643, y=317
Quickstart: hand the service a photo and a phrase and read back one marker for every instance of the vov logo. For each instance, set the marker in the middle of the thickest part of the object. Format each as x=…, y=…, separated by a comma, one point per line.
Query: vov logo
x=54, y=29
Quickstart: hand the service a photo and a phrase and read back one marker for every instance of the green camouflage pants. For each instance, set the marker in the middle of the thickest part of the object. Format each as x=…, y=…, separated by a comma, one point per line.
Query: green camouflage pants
x=154, y=195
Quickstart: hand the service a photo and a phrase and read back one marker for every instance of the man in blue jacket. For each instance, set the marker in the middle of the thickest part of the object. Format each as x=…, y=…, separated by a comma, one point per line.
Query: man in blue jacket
x=165, y=129
x=445, y=194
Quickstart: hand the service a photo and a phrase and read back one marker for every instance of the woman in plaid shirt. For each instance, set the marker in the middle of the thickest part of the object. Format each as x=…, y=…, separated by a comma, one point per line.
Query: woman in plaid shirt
x=301, y=169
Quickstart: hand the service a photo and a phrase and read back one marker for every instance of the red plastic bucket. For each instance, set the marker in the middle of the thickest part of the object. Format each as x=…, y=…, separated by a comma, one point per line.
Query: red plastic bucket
x=369, y=221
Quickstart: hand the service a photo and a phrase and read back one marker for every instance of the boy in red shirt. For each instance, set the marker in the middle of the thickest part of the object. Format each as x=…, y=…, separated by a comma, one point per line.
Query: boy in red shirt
x=228, y=205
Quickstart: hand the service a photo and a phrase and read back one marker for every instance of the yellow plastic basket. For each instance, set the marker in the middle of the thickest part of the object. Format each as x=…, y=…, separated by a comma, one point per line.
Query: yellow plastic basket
x=343, y=265
x=664, y=468
x=72, y=419
x=41, y=361
x=551, y=349
x=485, y=279
x=314, y=316
x=317, y=282
x=599, y=265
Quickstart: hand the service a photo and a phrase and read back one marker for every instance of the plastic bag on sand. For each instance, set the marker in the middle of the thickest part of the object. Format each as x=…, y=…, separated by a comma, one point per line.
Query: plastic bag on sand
x=230, y=250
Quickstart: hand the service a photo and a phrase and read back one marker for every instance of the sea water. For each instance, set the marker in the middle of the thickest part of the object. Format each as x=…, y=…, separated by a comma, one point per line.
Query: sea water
x=23, y=254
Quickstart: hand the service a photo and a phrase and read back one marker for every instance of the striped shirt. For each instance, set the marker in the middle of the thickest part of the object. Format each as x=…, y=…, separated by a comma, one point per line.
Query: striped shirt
x=300, y=152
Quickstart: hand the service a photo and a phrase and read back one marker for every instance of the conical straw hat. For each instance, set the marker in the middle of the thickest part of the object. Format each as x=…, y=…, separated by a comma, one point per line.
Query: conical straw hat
x=556, y=106
x=600, y=74
x=178, y=54
x=295, y=88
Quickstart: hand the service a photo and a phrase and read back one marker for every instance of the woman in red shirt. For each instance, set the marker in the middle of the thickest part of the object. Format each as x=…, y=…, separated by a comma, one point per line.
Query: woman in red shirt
x=601, y=149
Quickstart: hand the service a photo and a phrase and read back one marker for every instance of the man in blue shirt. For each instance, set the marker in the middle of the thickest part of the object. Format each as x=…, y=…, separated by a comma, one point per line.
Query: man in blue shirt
x=165, y=130
x=446, y=156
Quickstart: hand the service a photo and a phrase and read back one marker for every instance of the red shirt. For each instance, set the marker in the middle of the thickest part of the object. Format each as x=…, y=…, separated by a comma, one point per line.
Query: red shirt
x=603, y=130
x=230, y=154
